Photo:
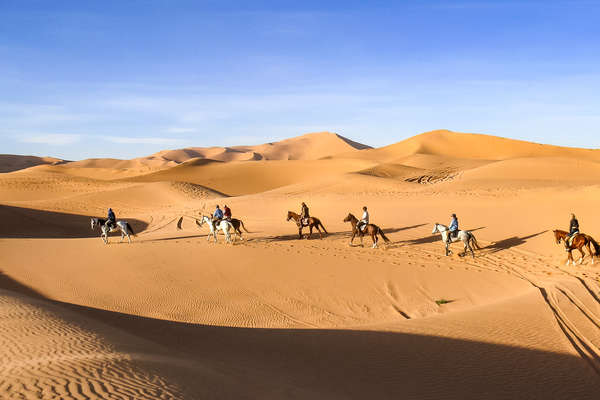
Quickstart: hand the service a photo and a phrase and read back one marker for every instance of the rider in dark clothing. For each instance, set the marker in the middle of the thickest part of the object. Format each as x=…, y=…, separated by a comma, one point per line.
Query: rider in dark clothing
x=111, y=220
x=227, y=212
x=573, y=227
x=304, y=215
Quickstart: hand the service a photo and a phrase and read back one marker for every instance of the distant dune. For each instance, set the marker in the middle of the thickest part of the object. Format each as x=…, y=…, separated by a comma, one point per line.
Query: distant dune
x=471, y=146
x=10, y=162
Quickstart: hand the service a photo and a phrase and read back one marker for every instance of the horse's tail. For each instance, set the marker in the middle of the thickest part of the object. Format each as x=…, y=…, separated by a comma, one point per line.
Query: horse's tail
x=380, y=231
x=321, y=224
x=243, y=226
x=476, y=245
x=596, y=246
x=130, y=229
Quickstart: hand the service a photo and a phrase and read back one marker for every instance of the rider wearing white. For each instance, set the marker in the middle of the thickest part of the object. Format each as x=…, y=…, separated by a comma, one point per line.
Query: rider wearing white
x=364, y=220
x=452, y=229
x=111, y=220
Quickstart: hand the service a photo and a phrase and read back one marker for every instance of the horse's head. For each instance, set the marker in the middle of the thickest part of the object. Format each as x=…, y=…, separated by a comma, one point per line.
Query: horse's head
x=435, y=228
x=290, y=215
x=349, y=218
x=557, y=236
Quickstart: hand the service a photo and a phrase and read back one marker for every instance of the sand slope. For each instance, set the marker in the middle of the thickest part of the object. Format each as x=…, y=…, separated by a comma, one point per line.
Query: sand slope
x=275, y=316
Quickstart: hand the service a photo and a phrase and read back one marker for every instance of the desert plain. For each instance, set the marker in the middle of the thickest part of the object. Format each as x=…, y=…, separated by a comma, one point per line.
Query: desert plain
x=273, y=316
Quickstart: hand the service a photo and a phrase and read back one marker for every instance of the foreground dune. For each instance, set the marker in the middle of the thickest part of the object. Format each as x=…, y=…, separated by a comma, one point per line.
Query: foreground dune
x=174, y=316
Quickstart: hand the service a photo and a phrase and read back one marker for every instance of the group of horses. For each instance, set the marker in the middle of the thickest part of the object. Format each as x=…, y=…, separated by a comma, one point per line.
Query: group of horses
x=227, y=226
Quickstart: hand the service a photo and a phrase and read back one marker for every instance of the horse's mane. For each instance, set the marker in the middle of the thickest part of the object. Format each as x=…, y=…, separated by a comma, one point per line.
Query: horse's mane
x=560, y=231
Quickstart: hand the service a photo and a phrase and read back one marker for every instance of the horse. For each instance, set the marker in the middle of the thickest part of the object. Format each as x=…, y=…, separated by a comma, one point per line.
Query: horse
x=467, y=238
x=236, y=223
x=312, y=223
x=578, y=242
x=369, y=229
x=121, y=225
x=223, y=225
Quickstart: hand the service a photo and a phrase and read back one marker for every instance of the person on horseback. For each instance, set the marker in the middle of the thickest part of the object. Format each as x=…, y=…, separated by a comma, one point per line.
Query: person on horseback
x=227, y=212
x=452, y=229
x=217, y=216
x=304, y=215
x=573, y=229
x=111, y=220
x=364, y=220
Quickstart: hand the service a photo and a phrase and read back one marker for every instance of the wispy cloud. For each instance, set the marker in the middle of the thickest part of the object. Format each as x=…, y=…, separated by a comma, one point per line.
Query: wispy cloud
x=58, y=139
x=176, y=129
x=143, y=140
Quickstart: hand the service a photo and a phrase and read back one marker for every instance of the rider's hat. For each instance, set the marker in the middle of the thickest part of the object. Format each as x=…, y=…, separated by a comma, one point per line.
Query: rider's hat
x=454, y=215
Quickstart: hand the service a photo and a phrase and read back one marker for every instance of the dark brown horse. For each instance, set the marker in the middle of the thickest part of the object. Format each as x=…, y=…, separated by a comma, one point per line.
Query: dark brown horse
x=578, y=242
x=369, y=229
x=312, y=223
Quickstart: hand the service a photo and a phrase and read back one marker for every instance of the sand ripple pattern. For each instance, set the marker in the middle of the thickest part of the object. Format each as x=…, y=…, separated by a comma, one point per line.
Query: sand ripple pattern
x=46, y=357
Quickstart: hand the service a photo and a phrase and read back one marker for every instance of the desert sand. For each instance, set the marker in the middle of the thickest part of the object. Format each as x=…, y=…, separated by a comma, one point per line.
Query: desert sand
x=272, y=316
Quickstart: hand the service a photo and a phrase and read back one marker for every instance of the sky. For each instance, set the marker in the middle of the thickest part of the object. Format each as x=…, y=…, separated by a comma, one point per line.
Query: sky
x=127, y=78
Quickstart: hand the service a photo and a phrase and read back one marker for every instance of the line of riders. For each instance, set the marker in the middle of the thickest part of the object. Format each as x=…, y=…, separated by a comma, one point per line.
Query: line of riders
x=361, y=227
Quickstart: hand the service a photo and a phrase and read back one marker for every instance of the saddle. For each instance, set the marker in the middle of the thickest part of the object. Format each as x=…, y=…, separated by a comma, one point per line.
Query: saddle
x=570, y=239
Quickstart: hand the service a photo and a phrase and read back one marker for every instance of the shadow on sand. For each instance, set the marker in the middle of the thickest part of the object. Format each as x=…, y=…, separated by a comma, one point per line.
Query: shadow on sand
x=510, y=242
x=340, y=234
x=231, y=362
x=19, y=222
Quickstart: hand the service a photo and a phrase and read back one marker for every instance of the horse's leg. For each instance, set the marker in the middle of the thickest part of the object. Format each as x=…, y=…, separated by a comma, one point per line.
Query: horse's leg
x=582, y=255
x=447, y=249
x=320, y=233
x=569, y=257
x=471, y=248
x=352, y=238
x=374, y=239
x=300, y=232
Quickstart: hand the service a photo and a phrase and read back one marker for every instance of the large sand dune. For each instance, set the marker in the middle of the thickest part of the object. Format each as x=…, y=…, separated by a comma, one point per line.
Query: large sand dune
x=174, y=316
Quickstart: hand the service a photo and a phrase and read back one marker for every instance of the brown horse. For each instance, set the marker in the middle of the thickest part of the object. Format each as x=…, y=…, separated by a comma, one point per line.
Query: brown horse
x=580, y=241
x=312, y=223
x=370, y=229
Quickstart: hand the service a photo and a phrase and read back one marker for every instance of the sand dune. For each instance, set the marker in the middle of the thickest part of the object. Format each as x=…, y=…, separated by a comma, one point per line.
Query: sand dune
x=471, y=146
x=273, y=316
x=10, y=163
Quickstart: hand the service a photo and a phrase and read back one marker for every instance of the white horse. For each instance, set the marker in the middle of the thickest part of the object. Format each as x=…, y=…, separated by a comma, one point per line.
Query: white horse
x=467, y=238
x=121, y=225
x=224, y=225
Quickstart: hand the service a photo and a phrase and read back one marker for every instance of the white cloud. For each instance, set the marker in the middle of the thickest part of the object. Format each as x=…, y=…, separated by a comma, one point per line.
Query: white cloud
x=59, y=139
x=142, y=140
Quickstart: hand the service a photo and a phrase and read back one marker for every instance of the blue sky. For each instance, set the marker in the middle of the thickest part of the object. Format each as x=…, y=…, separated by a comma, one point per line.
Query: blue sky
x=83, y=79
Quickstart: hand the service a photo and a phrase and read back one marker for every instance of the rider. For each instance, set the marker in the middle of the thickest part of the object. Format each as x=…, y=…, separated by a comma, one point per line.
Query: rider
x=452, y=229
x=227, y=212
x=573, y=228
x=111, y=220
x=217, y=216
x=364, y=220
x=304, y=215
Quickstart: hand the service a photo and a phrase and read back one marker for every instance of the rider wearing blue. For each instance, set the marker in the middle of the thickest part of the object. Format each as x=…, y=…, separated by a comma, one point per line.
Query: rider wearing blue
x=111, y=220
x=453, y=228
x=217, y=216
